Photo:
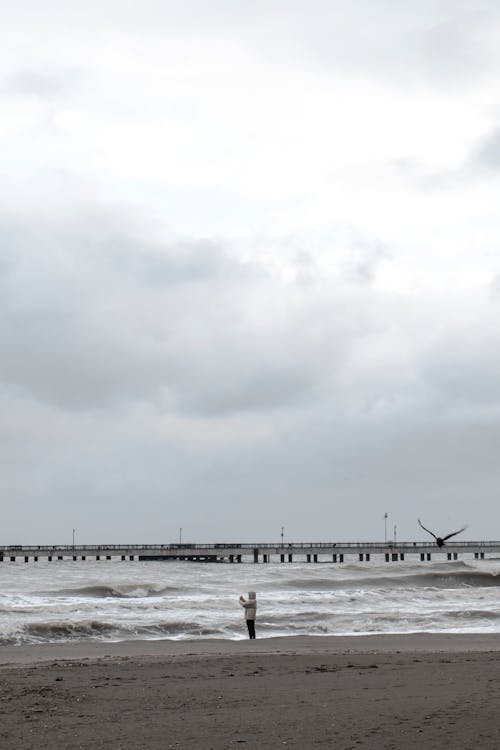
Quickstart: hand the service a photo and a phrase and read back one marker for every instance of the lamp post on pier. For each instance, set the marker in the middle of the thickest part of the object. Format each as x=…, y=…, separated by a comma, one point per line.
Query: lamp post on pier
x=385, y=528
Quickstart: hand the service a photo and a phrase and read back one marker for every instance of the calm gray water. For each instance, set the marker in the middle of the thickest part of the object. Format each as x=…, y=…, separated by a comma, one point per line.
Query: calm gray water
x=114, y=600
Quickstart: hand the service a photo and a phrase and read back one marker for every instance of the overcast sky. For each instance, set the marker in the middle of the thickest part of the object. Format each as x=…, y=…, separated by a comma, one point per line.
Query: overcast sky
x=249, y=269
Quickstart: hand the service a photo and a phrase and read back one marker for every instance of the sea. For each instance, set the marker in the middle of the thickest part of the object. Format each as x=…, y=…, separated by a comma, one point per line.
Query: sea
x=66, y=601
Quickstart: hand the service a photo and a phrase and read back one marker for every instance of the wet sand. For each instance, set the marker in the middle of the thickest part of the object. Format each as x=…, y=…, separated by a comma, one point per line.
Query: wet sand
x=414, y=691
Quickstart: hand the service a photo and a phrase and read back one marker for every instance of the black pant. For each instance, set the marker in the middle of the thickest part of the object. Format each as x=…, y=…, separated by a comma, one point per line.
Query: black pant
x=251, y=628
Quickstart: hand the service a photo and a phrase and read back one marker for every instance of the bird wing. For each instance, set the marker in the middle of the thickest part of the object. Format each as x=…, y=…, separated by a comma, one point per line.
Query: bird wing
x=454, y=533
x=428, y=531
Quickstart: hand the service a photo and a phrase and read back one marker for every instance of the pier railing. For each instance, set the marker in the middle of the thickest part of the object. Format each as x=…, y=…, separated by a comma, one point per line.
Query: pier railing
x=286, y=546
x=237, y=552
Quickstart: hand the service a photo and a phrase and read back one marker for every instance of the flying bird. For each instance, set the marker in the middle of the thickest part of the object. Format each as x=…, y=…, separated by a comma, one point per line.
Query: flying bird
x=440, y=540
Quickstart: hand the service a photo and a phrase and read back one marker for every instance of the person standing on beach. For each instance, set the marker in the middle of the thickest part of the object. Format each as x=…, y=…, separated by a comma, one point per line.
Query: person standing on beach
x=250, y=607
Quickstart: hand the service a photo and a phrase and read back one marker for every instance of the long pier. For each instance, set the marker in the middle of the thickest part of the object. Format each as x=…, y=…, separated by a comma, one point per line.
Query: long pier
x=311, y=552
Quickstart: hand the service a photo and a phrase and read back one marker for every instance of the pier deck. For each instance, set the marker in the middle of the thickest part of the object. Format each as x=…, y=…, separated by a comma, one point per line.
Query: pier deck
x=315, y=552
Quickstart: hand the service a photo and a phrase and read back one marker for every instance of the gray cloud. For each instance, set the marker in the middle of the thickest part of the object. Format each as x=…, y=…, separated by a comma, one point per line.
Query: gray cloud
x=495, y=287
x=219, y=308
x=480, y=163
x=463, y=369
x=171, y=325
x=402, y=42
x=95, y=315
x=365, y=260
x=46, y=85
x=487, y=154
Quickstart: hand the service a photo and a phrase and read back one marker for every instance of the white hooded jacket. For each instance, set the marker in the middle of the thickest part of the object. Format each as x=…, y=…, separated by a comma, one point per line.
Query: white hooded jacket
x=250, y=606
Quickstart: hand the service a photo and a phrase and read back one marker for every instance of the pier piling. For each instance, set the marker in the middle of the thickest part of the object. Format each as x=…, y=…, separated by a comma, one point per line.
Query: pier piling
x=266, y=553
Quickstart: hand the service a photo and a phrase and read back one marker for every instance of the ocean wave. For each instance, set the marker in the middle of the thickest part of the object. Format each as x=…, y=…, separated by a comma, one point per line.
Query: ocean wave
x=473, y=614
x=122, y=590
x=63, y=631
x=452, y=578
x=442, y=579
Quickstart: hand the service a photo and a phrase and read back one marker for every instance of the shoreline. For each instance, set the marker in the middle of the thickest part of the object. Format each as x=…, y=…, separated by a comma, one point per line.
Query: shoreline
x=315, y=644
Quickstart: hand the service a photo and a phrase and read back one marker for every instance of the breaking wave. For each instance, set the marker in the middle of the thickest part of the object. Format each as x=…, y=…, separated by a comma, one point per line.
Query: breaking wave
x=95, y=630
x=436, y=579
x=125, y=591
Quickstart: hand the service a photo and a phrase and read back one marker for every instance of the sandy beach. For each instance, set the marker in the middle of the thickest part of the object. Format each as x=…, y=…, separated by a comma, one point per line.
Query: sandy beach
x=425, y=691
